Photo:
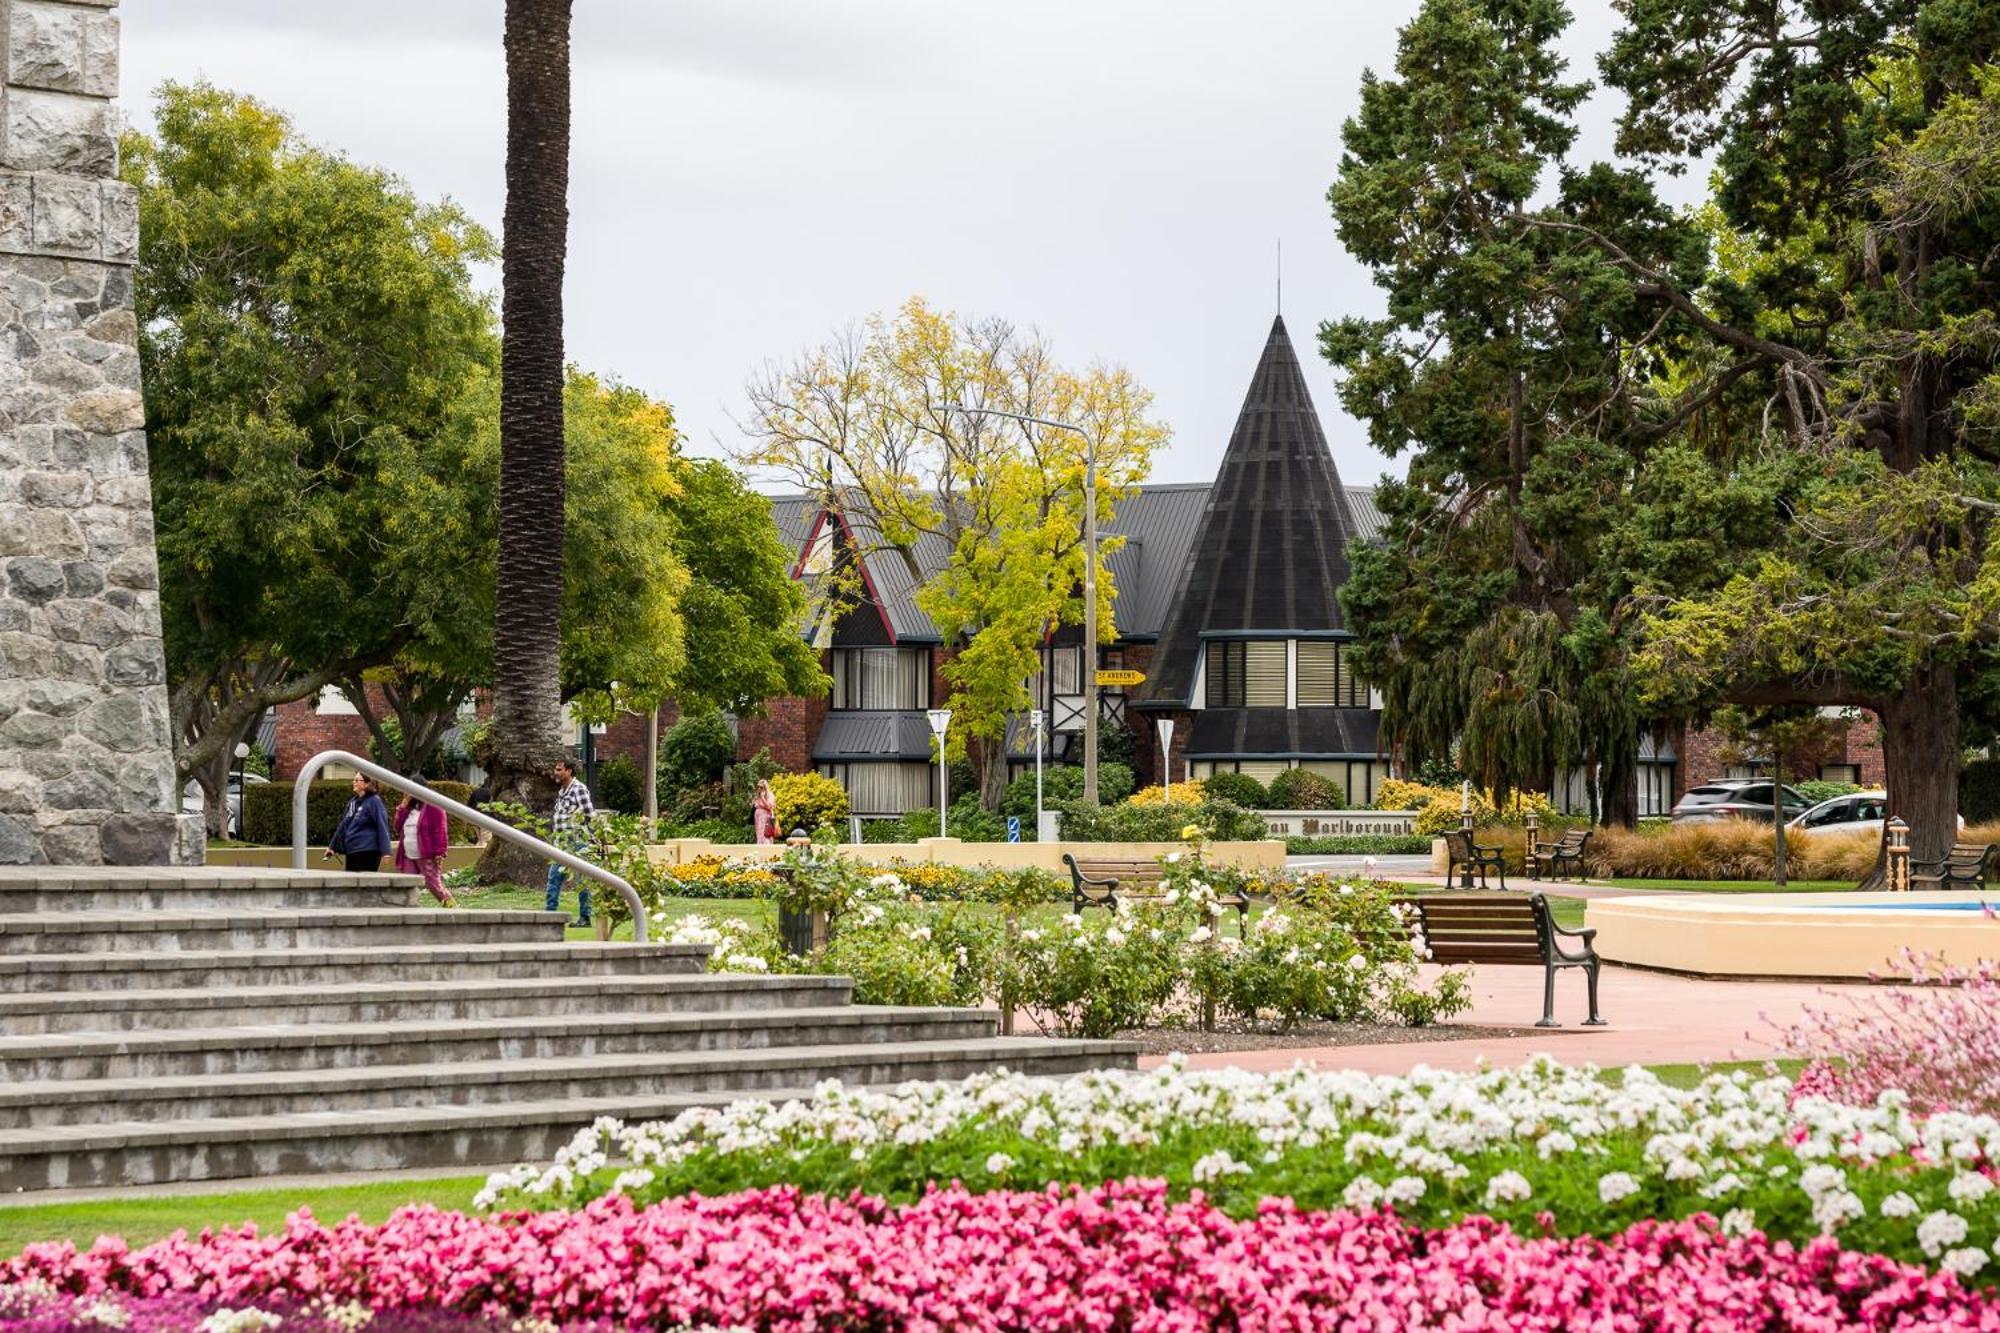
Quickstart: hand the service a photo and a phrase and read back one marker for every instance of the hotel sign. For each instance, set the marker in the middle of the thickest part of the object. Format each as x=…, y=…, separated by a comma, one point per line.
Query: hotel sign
x=1125, y=678
x=1340, y=823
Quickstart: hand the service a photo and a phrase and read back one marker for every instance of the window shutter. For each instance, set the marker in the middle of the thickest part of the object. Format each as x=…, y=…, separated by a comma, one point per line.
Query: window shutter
x=1264, y=669
x=1318, y=667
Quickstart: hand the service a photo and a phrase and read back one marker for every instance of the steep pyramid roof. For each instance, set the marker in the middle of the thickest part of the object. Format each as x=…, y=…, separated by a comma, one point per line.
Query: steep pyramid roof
x=1270, y=551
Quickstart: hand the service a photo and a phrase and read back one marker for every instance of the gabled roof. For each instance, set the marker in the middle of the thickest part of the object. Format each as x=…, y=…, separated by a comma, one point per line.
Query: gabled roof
x=1270, y=552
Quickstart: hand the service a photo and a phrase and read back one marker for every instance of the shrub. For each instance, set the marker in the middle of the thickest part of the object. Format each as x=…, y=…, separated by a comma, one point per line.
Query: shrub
x=690, y=804
x=1402, y=794
x=1816, y=790
x=1060, y=784
x=808, y=801
x=1359, y=844
x=619, y=786
x=742, y=784
x=1218, y=820
x=1181, y=793
x=715, y=830
x=1238, y=789
x=1096, y=975
x=970, y=822
x=1728, y=849
x=695, y=751
x=267, y=810
x=1303, y=789
x=1979, y=791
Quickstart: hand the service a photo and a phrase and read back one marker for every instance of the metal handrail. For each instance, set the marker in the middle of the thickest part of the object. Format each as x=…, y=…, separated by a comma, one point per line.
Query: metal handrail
x=499, y=828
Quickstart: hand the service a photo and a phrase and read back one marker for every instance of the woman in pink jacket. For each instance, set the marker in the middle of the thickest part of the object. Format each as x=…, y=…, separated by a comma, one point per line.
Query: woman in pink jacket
x=421, y=840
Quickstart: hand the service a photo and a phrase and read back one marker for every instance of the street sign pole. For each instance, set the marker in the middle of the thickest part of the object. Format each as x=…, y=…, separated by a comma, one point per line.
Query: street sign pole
x=1166, y=749
x=1035, y=726
x=940, y=720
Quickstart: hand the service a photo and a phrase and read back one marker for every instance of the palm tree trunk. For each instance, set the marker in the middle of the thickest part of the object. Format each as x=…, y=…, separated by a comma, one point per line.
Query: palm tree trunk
x=527, y=631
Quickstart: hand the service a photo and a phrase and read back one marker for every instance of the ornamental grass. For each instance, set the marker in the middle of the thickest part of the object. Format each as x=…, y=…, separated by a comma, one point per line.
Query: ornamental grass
x=1117, y=1256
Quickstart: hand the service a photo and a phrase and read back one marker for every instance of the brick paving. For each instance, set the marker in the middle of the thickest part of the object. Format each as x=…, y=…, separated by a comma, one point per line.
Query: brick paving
x=1654, y=1019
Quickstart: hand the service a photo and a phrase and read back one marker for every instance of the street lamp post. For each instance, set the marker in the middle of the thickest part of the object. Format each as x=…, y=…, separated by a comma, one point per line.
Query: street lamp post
x=1166, y=725
x=940, y=720
x=1035, y=730
x=1089, y=579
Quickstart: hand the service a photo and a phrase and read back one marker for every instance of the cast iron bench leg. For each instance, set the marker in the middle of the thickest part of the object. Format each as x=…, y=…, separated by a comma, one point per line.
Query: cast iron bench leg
x=1591, y=974
x=1549, y=997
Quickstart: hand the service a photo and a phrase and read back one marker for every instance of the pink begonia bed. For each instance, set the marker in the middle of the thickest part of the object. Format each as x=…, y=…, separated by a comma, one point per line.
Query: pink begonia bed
x=1112, y=1257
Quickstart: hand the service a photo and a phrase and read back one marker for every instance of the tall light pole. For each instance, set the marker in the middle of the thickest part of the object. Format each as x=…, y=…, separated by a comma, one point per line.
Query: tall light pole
x=1089, y=579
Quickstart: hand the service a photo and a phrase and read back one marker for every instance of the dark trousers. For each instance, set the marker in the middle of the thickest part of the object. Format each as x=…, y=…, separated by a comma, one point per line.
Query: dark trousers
x=367, y=862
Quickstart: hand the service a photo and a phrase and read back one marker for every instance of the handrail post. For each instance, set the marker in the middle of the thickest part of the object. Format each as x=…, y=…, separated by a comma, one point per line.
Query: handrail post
x=499, y=828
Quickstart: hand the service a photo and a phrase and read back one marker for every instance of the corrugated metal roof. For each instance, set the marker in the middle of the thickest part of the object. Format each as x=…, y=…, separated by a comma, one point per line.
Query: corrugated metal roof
x=848, y=736
x=1158, y=523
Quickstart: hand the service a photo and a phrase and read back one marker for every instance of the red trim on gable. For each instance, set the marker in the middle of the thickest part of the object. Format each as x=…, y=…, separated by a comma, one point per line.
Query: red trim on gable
x=805, y=552
x=861, y=563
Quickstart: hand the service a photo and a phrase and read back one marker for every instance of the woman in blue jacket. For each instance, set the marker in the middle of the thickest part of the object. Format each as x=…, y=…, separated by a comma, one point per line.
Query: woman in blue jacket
x=363, y=833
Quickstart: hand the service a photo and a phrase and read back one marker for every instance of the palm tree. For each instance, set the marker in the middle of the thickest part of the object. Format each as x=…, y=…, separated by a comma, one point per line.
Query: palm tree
x=527, y=631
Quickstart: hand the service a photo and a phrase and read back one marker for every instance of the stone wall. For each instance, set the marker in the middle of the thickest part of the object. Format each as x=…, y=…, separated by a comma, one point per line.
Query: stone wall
x=86, y=767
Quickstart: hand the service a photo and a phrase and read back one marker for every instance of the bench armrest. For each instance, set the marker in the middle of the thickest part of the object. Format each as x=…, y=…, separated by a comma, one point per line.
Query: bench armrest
x=1584, y=933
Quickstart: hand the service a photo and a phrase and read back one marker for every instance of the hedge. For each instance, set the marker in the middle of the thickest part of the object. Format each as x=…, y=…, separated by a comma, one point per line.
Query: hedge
x=1358, y=844
x=267, y=810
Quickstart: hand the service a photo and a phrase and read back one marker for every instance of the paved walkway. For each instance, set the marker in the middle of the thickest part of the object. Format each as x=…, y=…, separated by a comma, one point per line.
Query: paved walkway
x=1654, y=1019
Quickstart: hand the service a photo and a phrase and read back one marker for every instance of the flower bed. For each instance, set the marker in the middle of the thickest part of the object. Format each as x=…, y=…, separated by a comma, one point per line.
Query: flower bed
x=1125, y=1256
x=1541, y=1145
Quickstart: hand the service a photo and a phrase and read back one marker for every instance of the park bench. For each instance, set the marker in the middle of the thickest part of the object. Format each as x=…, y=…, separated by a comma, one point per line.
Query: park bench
x=1096, y=882
x=1482, y=928
x=1968, y=864
x=1553, y=856
x=1461, y=850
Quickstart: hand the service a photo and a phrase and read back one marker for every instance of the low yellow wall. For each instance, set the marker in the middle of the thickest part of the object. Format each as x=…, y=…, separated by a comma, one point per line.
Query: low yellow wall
x=1785, y=934
x=460, y=856
x=1266, y=856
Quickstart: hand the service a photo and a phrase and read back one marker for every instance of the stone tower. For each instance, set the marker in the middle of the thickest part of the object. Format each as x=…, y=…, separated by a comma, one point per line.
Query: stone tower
x=86, y=759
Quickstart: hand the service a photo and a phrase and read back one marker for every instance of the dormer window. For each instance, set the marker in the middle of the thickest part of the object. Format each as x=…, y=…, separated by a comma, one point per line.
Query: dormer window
x=1258, y=673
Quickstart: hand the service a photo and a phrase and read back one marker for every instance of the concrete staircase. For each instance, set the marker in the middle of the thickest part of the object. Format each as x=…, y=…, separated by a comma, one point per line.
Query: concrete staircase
x=164, y=1026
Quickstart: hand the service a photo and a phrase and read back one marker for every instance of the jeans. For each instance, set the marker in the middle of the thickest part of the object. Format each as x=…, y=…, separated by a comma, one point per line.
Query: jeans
x=365, y=862
x=553, y=902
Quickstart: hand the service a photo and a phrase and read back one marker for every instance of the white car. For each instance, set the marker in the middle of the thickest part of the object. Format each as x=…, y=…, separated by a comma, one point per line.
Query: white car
x=1856, y=812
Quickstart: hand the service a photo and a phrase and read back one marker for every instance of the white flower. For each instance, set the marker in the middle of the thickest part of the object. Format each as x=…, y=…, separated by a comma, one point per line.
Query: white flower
x=1969, y=1187
x=1172, y=858
x=1738, y=1222
x=247, y=1320
x=1899, y=1204
x=635, y=1179
x=1405, y=1189
x=1507, y=1187
x=1820, y=1179
x=1362, y=1192
x=1200, y=935
x=1218, y=1164
x=1553, y=1142
x=999, y=1164
x=1114, y=937
x=1939, y=1230
x=1358, y=963
x=1964, y=1262
x=1615, y=1186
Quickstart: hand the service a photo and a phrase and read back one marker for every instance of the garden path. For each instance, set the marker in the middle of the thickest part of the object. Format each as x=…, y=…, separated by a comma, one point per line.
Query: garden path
x=1654, y=1018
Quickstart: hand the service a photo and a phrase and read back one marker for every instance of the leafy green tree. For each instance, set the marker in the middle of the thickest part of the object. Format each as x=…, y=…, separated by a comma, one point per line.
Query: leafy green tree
x=307, y=328
x=1497, y=366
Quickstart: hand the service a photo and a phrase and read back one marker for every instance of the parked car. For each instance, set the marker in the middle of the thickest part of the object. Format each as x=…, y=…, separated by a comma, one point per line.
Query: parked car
x=1736, y=798
x=1856, y=812
x=193, y=803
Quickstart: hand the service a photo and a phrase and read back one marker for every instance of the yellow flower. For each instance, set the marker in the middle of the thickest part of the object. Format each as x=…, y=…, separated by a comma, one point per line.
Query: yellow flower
x=1192, y=833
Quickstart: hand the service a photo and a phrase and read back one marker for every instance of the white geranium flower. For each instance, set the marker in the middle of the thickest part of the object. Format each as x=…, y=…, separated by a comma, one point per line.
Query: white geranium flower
x=1738, y=1222
x=1217, y=1165
x=1507, y=1187
x=1899, y=1204
x=1361, y=1193
x=1964, y=1262
x=1940, y=1229
x=1615, y=1186
x=1405, y=1189
x=1969, y=1187
x=999, y=1164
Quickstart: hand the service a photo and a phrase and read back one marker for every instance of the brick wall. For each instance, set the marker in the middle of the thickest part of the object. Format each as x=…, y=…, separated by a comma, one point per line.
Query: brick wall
x=303, y=731
x=1701, y=752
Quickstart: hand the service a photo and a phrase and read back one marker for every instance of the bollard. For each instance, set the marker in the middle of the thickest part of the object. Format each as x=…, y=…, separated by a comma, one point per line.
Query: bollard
x=1899, y=855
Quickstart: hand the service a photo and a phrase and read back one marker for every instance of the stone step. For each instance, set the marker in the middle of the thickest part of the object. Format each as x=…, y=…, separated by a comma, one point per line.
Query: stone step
x=550, y=998
x=159, y=932
x=484, y=1083
x=194, y=968
x=80, y=891
x=23, y=974
x=429, y=1134
x=253, y=1049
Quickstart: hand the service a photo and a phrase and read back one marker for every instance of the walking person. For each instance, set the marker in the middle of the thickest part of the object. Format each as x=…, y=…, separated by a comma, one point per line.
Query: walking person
x=422, y=836
x=362, y=836
x=764, y=813
x=570, y=830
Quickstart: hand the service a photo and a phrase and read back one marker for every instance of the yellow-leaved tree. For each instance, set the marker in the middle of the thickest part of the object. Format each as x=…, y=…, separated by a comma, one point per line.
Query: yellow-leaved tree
x=896, y=424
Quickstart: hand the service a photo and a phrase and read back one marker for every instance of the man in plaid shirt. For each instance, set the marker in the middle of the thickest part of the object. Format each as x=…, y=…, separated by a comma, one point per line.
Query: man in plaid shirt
x=571, y=832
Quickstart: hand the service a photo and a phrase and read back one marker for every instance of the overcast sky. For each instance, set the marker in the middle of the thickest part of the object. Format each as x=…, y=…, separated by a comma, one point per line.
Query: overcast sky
x=748, y=175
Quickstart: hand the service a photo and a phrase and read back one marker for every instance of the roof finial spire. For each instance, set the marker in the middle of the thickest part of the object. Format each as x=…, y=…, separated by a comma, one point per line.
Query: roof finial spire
x=1281, y=275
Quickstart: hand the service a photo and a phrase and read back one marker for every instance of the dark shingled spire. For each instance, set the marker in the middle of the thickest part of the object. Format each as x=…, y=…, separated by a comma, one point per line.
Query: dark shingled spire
x=1270, y=553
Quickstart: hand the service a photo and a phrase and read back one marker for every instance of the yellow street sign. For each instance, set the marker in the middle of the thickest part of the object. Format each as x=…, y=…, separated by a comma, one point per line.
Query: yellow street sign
x=1121, y=678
